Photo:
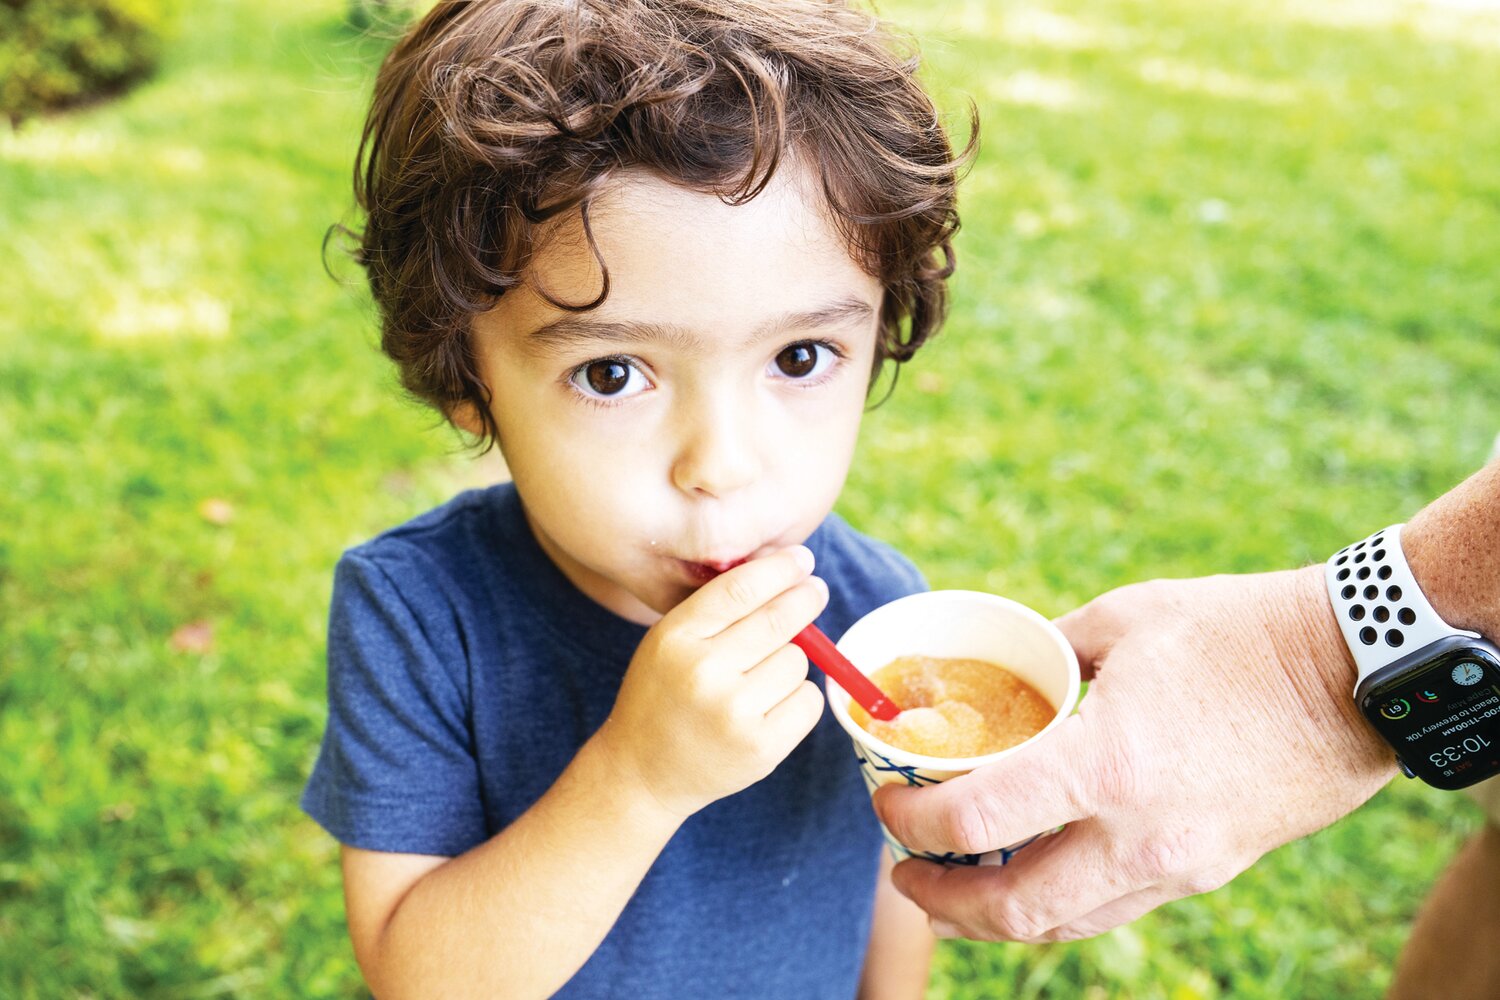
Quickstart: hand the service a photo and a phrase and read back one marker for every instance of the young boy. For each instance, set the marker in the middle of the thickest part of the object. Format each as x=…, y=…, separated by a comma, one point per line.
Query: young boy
x=657, y=250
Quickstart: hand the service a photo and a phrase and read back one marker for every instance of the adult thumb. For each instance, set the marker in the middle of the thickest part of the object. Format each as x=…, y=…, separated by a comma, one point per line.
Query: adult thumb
x=1037, y=788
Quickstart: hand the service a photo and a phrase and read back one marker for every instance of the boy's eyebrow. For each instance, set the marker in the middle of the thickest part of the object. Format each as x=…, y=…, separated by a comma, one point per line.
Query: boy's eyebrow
x=572, y=329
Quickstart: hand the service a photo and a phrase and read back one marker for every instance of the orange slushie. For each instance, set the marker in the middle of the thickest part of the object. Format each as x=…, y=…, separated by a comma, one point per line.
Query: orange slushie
x=955, y=708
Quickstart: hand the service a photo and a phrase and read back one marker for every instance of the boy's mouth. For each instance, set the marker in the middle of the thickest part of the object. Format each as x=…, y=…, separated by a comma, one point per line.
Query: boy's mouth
x=702, y=572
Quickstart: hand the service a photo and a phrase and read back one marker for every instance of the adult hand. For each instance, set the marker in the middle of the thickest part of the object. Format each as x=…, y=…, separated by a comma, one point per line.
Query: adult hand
x=1219, y=725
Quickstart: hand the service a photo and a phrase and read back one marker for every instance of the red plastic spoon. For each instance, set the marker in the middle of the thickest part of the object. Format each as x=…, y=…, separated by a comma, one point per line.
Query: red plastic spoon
x=821, y=650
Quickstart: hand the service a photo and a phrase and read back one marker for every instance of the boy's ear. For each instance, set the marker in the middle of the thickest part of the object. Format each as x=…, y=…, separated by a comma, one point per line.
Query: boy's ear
x=466, y=418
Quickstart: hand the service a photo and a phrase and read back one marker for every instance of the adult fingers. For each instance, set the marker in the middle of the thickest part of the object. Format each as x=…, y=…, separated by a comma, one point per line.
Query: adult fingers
x=1051, y=883
x=769, y=682
x=1039, y=787
x=1076, y=884
x=959, y=900
x=736, y=593
x=1115, y=913
x=1133, y=906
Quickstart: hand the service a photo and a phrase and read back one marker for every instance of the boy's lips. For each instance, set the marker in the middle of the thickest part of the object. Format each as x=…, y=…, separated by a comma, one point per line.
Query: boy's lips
x=702, y=572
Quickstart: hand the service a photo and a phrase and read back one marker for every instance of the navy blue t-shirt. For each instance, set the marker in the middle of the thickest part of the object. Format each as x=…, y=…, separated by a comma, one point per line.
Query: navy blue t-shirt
x=465, y=671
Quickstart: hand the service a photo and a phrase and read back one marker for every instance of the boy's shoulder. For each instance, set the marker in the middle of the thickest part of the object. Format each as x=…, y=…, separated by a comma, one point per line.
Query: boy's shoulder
x=457, y=546
x=449, y=526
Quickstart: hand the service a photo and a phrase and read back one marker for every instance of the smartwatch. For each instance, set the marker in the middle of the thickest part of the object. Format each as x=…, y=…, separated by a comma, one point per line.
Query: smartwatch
x=1430, y=690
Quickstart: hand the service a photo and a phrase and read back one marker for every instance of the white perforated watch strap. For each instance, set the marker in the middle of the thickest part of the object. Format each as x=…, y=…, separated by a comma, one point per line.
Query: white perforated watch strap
x=1382, y=612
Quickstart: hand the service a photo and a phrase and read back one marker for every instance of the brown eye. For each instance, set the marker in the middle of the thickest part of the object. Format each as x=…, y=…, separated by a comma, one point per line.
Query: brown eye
x=798, y=360
x=609, y=378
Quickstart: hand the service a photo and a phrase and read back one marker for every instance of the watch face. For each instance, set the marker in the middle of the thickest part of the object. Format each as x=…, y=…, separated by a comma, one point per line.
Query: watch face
x=1442, y=716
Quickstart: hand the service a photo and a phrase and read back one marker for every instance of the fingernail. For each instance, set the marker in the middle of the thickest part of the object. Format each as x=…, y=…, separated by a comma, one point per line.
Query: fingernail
x=803, y=557
x=943, y=929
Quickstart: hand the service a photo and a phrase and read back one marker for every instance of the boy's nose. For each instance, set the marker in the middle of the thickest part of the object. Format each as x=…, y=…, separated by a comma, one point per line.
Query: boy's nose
x=718, y=453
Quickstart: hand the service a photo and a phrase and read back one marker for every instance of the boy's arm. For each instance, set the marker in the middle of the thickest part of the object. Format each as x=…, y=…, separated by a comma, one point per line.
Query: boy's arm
x=519, y=914
x=901, y=944
x=715, y=697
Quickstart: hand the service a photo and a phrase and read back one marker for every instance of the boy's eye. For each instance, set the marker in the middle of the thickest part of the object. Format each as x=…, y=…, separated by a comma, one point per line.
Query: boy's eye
x=609, y=378
x=803, y=360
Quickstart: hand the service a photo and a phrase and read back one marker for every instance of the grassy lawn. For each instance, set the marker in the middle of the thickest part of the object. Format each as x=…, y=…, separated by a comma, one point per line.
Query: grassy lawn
x=1227, y=299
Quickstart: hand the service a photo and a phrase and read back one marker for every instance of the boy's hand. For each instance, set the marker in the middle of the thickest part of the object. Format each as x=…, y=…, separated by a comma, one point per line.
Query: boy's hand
x=716, y=697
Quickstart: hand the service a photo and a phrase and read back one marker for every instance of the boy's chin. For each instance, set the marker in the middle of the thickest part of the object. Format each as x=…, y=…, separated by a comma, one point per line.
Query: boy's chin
x=650, y=607
x=667, y=600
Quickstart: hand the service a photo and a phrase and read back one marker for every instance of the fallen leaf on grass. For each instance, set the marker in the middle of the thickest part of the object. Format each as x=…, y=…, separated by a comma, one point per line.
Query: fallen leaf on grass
x=117, y=813
x=216, y=511
x=194, y=637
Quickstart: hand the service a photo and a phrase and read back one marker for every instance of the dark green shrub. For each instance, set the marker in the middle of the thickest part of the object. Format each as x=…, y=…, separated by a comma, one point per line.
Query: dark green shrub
x=54, y=53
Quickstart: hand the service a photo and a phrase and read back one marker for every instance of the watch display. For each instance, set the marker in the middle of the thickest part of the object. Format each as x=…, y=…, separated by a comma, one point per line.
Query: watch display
x=1441, y=714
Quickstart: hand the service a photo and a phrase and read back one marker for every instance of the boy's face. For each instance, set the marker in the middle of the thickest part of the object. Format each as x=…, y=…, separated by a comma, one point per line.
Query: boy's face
x=707, y=411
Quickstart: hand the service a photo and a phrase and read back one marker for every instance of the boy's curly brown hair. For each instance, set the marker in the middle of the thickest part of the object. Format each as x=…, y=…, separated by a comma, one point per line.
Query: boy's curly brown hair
x=491, y=117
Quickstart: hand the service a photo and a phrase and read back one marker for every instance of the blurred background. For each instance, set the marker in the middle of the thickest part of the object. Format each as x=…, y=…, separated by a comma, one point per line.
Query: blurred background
x=1227, y=299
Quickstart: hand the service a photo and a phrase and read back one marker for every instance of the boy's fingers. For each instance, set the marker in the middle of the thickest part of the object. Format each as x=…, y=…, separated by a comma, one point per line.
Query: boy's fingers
x=792, y=718
x=736, y=593
x=769, y=682
x=768, y=628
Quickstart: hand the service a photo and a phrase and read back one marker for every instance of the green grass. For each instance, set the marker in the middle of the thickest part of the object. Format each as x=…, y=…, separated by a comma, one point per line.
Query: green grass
x=1226, y=301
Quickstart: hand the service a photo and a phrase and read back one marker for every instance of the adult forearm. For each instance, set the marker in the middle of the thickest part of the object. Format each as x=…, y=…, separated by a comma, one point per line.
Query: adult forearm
x=1453, y=546
x=518, y=915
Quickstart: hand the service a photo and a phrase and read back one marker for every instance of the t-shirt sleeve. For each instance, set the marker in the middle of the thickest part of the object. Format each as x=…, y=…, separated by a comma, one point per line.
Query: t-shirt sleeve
x=396, y=771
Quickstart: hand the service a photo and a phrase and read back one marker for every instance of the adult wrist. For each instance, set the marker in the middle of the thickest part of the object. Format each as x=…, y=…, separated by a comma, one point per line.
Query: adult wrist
x=1327, y=656
x=1426, y=684
x=1453, y=548
x=1326, y=647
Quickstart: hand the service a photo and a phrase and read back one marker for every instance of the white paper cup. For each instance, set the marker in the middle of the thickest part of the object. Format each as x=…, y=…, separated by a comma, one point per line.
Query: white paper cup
x=956, y=624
